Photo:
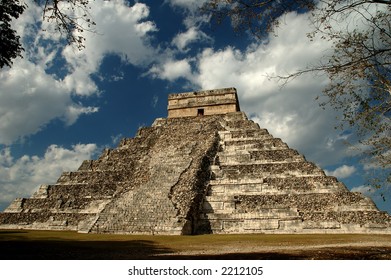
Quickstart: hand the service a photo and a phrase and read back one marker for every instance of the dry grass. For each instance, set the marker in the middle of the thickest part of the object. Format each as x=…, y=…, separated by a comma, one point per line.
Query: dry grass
x=26, y=244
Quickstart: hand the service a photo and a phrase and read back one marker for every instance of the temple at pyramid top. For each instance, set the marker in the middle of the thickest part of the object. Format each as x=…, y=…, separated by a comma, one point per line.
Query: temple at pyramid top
x=206, y=102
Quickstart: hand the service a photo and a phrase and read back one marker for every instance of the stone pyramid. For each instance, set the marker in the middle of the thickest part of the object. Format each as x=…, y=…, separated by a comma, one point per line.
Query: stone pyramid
x=204, y=169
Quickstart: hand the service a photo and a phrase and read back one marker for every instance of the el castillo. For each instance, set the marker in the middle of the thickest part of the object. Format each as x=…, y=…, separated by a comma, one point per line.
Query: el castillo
x=205, y=169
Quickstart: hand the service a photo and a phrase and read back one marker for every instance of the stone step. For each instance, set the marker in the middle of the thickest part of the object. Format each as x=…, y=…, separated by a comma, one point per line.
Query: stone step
x=240, y=124
x=310, y=202
x=265, y=144
x=235, y=188
x=229, y=140
x=41, y=204
x=364, y=218
x=248, y=133
x=139, y=231
x=267, y=213
x=265, y=188
x=78, y=190
x=280, y=180
x=248, y=225
x=229, y=205
x=43, y=218
x=245, y=170
x=261, y=153
x=107, y=223
x=94, y=177
x=306, y=183
x=114, y=165
x=225, y=181
x=247, y=160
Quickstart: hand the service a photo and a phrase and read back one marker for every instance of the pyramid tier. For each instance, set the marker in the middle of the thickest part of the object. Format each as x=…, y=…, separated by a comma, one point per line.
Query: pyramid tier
x=45, y=220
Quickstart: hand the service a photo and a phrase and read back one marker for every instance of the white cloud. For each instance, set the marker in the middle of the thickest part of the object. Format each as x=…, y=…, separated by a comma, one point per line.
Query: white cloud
x=30, y=97
x=183, y=39
x=75, y=110
x=21, y=177
x=191, y=5
x=343, y=171
x=172, y=70
x=193, y=18
x=122, y=30
x=192, y=35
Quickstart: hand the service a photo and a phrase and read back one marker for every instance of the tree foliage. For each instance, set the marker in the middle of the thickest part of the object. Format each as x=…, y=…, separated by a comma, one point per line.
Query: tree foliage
x=10, y=46
x=68, y=17
x=358, y=68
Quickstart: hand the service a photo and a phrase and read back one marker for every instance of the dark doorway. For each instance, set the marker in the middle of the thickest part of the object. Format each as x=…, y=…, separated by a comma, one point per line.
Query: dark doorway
x=200, y=112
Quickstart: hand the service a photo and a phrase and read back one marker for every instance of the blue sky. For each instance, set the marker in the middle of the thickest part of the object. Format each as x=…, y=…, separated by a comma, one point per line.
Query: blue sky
x=59, y=105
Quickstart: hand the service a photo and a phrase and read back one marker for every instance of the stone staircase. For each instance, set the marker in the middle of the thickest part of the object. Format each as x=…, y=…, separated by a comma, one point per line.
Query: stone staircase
x=148, y=209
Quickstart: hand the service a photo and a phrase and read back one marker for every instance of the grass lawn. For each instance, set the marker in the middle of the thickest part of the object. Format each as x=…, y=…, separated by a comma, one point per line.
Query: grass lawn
x=29, y=244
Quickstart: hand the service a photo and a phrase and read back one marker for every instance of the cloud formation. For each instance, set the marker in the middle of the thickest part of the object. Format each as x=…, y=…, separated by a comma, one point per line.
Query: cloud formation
x=171, y=70
x=192, y=35
x=122, y=30
x=33, y=93
x=342, y=172
x=190, y=5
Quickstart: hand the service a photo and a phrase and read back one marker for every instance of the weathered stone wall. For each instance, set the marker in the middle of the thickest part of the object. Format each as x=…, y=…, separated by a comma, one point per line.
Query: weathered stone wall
x=207, y=110
x=213, y=102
